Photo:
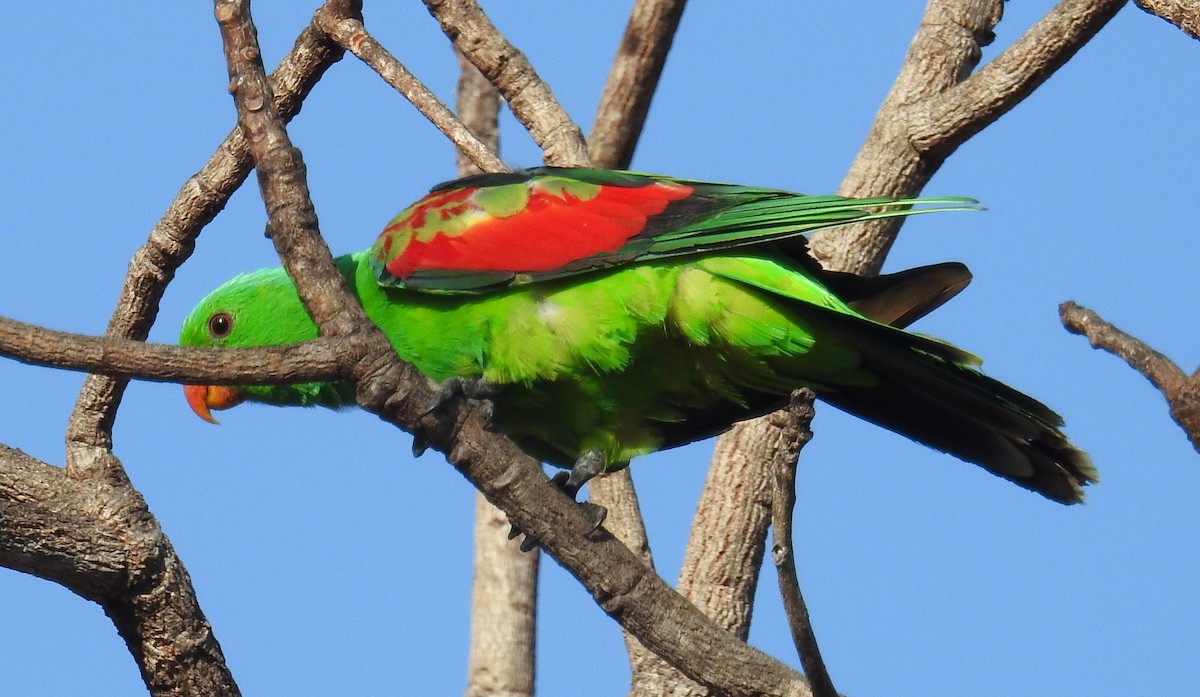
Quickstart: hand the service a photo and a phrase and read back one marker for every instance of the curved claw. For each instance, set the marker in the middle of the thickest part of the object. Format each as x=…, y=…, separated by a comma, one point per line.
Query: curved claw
x=475, y=389
x=587, y=466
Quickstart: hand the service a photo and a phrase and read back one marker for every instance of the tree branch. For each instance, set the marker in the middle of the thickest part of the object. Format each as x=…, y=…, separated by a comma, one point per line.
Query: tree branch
x=897, y=160
x=46, y=534
x=351, y=35
x=126, y=358
x=1181, y=392
x=501, y=657
x=795, y=422
x=639, y=600
x=632, y=81
x=528, y=96
x=1184, y=14
x=931, y=109
x=954, y=115
x=86, y=527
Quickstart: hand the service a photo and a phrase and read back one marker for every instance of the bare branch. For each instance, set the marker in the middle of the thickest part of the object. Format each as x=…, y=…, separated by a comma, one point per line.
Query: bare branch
x=89, y=431
x=96, y=538
x=795, y=422
x=479, y=108
x=934, y=107
x=1181, y=392
x=960, y=112
x=624, y=104
x=945, y=50
x=638, y=599
x=351, y=35
x=127, y=358
x=45, y=533
x=1184, y=14
x=529, y=97
x=632, y=81
x=503, y=610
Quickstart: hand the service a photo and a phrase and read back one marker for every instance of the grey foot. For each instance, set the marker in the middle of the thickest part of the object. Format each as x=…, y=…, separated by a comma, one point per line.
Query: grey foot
x=475, y=389
x=587, y=466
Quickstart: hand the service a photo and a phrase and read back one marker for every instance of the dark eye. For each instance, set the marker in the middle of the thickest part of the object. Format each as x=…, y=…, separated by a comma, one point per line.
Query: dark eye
x=219, y=325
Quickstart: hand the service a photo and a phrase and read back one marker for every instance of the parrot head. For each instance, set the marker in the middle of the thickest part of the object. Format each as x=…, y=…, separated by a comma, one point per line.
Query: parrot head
x=260, y=308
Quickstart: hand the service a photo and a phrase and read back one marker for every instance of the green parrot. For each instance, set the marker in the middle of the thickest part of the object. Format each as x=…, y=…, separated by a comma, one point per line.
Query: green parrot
x=612, y=314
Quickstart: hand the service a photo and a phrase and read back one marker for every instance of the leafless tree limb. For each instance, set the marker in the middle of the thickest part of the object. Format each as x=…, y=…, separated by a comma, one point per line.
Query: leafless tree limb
x=528, y=96
x=1181, y=392
x=936, y=104
x=632, y=81
x=795, y=423
x=620, y=118
x=897, y=159
x=501, y=656
x=132, y=555
x=351, y=35
x=35, y=498
x=128, y=358
x=959, y=112
x=52, y=517
x=1184, y=14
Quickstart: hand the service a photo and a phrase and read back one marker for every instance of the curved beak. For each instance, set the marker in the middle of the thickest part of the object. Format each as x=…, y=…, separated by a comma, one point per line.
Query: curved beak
x=202, y=398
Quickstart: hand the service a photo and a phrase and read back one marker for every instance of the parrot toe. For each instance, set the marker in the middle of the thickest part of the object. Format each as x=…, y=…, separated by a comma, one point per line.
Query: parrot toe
x=587, y=466
x=475, y=389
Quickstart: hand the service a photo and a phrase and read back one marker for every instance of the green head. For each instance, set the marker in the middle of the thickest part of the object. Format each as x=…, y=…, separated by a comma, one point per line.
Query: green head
x=260, y=308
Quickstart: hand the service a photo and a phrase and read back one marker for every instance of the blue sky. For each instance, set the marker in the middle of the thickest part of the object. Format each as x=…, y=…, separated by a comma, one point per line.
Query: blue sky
x=328, y=559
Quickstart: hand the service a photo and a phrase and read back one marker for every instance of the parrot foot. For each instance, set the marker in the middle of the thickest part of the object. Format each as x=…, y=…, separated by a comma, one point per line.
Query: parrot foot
x=475, y=389
x=587, y=466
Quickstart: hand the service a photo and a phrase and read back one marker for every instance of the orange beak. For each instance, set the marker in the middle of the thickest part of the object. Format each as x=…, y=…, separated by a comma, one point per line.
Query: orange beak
x=202, y=398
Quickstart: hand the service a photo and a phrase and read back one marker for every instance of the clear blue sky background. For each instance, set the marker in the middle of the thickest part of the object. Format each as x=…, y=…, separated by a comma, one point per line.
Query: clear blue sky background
x=329, y=561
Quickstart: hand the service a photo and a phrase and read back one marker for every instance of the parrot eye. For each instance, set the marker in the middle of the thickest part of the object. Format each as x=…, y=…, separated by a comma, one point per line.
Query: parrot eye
x=219, y=325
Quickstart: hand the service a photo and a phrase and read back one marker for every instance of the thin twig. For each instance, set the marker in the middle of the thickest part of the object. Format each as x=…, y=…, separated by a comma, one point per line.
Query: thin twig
x=528, y=96
x=1181, y=392
x=351, y=35
x=796, y=422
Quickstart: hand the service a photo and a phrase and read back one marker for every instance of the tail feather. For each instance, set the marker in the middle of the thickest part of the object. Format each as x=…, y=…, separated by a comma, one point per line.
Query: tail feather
x=956, y=409
x=1045, y=462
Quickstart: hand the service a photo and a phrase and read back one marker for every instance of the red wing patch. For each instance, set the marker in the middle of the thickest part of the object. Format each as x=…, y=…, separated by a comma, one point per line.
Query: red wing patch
x=532, y=226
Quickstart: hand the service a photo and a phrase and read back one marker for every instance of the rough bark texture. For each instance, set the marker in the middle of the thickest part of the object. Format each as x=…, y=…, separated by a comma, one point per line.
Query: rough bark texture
x=634, y=75
x=1184, y=14
x=503, y=610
